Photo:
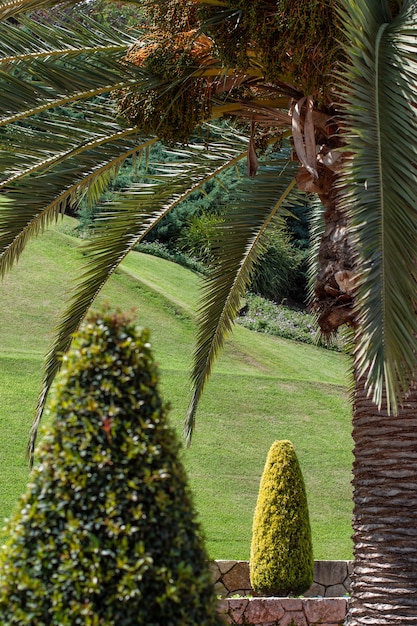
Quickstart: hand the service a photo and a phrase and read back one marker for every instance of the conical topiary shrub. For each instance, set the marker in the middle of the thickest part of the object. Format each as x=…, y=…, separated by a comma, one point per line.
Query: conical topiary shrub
x=281, y=561
x=106, y=534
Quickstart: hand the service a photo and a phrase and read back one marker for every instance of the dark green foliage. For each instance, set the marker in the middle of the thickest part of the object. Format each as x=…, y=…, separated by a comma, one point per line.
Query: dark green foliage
x=279, y=274
x=116, y=14
x=106, y=533
x=113, y=14
x=190, y=229
x=264, y=316
x=281, y=561
x=198, y=239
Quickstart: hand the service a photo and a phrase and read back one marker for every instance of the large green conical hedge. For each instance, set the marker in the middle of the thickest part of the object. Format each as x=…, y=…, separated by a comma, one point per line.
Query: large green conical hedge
x=106, y=534
x=281, y=561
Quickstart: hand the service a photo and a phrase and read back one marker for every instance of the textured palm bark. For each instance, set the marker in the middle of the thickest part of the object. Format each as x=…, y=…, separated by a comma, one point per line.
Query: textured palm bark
x=335, y=277
x=384, y=582
x=334, y=286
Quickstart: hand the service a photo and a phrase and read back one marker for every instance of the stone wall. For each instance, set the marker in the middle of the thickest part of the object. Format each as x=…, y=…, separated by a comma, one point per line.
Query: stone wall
x=284, y=611
x=331, y=579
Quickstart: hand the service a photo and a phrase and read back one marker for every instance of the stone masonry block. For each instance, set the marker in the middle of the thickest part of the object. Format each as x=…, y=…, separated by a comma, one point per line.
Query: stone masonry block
x=237, y=577
x=225, y=566
x=335, y=591
x=284, y=611
x=293, y=604
x=325, y=610
x=222, y=606
x=242, y=592
x=237, y=607
x=215, y=571
x=220, y=589
x=315, y=590
x=261, y=611
x=330, y=572
x=293, y=618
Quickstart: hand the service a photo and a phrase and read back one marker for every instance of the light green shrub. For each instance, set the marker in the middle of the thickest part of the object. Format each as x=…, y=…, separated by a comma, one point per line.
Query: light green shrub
x=106, y=534
x=281, y=561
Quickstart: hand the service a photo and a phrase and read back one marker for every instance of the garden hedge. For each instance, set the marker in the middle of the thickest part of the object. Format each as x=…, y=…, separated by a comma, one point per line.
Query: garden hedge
x=106, y=533
x=281, y=561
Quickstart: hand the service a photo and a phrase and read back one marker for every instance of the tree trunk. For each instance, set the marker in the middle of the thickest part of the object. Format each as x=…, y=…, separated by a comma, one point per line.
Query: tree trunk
x=333, y=292
x=384, y=582
x=334, y=284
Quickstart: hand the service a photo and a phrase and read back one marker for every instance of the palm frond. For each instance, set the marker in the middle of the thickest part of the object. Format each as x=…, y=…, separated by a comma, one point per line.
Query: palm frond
x=32, y=39
x=123, y=224
x=55, y=179
x=316, y=230
x=239, y=245
x=12, y=8
x=40, y=85
x=47, y=141
x=55, y=139
x=44, y=66
x=379, y=190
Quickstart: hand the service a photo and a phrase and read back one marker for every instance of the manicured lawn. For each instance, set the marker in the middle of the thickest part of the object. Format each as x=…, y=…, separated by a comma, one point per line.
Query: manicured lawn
x=263, y=388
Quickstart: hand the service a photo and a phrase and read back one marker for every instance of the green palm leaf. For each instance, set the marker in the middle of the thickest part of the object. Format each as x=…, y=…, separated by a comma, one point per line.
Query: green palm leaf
x=39, y=198
x=12, y=8
x=239, y=245
x=57, y=85
x=48, y=154
x=123, y=224
x=380, y=190
x=316, y=231
x=56, y=75
x=31, y=39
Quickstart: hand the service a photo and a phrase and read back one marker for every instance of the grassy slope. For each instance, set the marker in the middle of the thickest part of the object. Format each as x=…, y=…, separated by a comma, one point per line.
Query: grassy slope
x=262, y=389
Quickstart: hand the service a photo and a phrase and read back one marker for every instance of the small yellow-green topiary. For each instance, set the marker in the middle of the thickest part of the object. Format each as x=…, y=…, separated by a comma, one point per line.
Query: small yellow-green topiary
x=281, y=560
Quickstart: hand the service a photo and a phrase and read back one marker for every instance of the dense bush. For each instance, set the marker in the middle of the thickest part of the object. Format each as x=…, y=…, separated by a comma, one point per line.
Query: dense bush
x=280, y=273
x=281, y=561
x=106, y=533
x=198, y=238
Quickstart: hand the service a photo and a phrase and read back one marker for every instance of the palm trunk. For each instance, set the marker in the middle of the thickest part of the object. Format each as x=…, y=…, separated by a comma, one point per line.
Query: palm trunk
x=333, y=291
x=334, y=281
x=384, y=583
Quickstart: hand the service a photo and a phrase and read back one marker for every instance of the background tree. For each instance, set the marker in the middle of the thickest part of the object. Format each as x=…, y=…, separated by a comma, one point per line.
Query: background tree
x=335, y=77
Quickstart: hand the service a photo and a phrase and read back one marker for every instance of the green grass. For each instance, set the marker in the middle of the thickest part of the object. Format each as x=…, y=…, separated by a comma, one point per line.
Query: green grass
x=263, y=388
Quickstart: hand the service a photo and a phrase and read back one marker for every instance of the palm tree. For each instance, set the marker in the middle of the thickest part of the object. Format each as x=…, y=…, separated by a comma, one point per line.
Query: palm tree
x=325, y=90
